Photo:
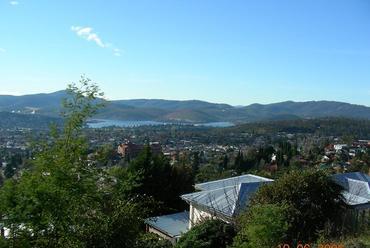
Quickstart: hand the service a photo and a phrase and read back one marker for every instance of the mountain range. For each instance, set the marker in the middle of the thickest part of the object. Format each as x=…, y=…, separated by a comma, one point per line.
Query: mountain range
x=192, y=111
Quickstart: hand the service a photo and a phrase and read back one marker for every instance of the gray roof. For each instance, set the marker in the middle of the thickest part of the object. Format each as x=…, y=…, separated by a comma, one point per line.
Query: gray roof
x=232, y=181
x=172, y=225
x=226, y=196
x=356, y=187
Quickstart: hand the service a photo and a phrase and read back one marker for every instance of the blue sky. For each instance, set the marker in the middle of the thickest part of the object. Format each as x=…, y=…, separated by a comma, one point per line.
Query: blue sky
x=237, y=52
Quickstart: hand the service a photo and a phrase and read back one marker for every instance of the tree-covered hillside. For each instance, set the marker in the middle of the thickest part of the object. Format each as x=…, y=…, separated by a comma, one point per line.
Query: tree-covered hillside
x=189, y=111
x=359, y=128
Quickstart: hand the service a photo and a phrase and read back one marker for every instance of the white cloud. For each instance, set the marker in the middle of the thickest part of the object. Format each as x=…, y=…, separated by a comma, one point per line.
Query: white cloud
x=14, y=2
x=2, y=50
x=117, y=52
x=88, y=34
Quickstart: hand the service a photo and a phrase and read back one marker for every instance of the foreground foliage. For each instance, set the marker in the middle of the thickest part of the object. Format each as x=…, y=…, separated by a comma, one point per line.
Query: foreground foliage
x=156, y=178
x=361, y=240
x=210, y=233
x=315, y=201
x=263, y=226
x=63, y=201
x=150, y=240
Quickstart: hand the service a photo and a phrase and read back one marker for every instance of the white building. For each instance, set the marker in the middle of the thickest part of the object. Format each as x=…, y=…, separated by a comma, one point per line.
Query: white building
x=338, y=147
x=223, y=199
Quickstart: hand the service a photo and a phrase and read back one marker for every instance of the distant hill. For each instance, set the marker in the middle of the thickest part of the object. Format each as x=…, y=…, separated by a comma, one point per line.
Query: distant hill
x=48, y=104
x=171, y=104
x=311, y=109
x=188, y=111
x=33, y=121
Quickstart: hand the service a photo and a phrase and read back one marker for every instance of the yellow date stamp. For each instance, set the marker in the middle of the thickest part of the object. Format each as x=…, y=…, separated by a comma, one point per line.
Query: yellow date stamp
x=333, y=245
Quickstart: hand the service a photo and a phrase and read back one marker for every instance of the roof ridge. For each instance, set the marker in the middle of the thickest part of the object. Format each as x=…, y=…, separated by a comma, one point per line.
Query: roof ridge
x=211, y=190
x=230, y=180
x=219, y=180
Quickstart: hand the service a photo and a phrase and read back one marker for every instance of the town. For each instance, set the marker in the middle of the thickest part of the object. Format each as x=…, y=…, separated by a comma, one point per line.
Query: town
x=214, y=153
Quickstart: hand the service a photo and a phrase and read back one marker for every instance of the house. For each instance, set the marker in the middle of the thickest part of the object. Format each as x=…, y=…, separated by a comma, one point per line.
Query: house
x=325, y=159
x=223, y=199
x=338, y=147
x=364, y=142
x=129, y=150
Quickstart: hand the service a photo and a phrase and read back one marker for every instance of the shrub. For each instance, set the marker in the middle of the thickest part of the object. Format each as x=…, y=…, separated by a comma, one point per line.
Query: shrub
x=150, y=240
x=209, y=234
x=263, y=226
x=315, y=200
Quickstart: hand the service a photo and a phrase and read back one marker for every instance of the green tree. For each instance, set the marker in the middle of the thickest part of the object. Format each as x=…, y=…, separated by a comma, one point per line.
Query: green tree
x=314, y=198
x=9, y=170
x=239, y=162
x=224, y=163
x=196, y=162
x=63, y=201
x=263, y=226
x=209, y=234
x=105, y=155
x=12, y=165
x=155, y=177
x=150, y=240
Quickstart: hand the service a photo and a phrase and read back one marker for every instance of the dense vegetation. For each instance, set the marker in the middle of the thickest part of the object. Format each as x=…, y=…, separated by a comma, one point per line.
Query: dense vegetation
x=161, y=181
x=211, y=233
x=359, y=128
x=298, y=202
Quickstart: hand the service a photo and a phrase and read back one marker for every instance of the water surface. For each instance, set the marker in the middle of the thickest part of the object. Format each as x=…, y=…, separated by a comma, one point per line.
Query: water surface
x=101, y=123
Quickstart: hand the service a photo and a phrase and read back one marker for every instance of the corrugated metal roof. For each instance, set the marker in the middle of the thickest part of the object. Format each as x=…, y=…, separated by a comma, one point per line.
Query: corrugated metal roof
x=359, y=188
x=228, y=201
x=356, y=187
x=172, y=225
x=232, y=181
x=342, y=178
x=353, y=200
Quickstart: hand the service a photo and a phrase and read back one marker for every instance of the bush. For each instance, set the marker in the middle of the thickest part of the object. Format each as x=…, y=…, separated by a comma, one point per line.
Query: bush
x=359, y=241
x=263, y=226
x=354, y=244
x=315, y=201
x=209, y=234
x=150, y=240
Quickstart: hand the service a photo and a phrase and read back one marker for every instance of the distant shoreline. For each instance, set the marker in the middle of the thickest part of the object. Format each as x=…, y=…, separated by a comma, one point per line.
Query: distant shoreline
x=101, y=123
